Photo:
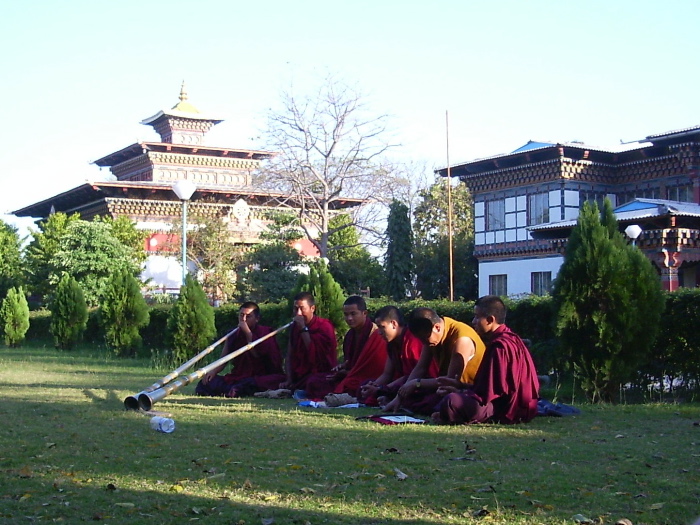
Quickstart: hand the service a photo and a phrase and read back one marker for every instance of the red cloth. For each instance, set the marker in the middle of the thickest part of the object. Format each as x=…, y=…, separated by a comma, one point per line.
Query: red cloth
x=369, y=364
x=263, y=359
x=507, y=378
x=321, y=356
x=406, y=358
x=354, y=343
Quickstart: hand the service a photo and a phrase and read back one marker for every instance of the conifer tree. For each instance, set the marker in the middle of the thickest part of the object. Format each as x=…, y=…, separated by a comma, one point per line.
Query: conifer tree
x=10, y=259
x=123, y=313
x=350, y=263
x=191, y=325
x=69, y=313
x=14, y=315
x=398, y=264
x=608, y=301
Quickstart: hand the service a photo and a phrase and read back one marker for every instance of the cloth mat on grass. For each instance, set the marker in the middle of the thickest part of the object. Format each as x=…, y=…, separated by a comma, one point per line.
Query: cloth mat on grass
x=547, y=408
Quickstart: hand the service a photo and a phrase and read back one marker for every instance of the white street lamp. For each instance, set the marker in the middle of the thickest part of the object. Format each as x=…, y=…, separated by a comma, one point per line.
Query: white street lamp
x=633, y=231
x=184, y=190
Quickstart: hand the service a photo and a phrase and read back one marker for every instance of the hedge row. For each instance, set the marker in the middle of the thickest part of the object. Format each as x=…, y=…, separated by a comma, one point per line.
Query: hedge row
x=676, y=360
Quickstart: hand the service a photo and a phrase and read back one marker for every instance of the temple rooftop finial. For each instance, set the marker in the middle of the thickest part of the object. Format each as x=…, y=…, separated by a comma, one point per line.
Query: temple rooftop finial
x=183, y=92
x=181, y=124
x=183, y=105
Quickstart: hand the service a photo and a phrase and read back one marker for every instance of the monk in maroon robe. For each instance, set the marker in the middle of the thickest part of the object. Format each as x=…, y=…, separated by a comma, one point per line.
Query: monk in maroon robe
x=261, y=360
x=506, y=387
x=364, y=355
x=312, y=345
x=403, y=349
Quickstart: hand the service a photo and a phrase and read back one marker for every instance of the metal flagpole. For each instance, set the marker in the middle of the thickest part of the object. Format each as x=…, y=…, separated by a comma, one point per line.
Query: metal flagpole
x=449, y=208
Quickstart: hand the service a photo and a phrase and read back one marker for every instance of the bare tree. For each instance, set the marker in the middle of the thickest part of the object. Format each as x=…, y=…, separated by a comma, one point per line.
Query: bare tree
x=329, y=157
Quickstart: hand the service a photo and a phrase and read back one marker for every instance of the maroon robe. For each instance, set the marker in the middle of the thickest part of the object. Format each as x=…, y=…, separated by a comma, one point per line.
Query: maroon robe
x=260, y=361
x=364, y=355
x=406, y=356
x=263, y=359
x=321, y=356
x=505, y=388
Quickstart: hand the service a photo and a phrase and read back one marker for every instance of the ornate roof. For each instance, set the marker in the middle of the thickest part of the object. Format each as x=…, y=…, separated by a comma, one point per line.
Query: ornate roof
x=91, y=193
x=139, y=148
x=182, y=109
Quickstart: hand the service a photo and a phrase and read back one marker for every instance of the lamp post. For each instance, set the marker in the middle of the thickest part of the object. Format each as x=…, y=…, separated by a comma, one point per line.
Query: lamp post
x=633, y=232
x=184, y=190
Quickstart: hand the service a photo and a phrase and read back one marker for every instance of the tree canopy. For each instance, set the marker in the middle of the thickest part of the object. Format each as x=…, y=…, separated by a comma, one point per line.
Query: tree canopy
x=608, y=302
x=398, y=263
x=91, y=253
x=10, y=258
x=40, y=251
x=330, y=147
x=431, y=252
x=350, y=263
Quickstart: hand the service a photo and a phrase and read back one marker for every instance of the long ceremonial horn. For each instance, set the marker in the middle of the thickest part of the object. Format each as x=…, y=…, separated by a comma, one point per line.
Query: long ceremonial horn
x=132, y=402
x=146, y=399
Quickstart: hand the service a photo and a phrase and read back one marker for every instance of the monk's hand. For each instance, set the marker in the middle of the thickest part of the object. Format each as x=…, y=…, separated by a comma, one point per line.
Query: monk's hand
x=208, y=377
x=444, y=390
x=299, y=321
x=408, y=388
x=449, y=382
x=392, y=406
x=243, y=327
x=370, y=389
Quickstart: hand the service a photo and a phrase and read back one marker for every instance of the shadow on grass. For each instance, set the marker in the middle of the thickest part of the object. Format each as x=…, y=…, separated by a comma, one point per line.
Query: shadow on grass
x=73, y=453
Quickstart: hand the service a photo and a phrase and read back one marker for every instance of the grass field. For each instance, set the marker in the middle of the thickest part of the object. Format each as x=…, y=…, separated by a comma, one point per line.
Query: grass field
x=70, y=453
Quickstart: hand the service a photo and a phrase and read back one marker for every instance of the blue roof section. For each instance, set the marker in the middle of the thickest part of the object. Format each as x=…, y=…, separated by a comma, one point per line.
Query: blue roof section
x=531, y=144
x=634, y=210
x=636, y=205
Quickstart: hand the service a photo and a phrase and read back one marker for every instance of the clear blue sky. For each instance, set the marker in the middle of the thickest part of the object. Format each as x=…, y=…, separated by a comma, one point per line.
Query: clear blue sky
x=79, y=76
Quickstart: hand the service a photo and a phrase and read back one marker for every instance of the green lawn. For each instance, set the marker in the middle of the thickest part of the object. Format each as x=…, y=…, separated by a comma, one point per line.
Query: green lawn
x=69, y=452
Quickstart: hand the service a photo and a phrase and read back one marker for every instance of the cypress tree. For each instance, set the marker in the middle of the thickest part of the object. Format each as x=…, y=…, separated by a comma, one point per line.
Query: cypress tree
x=608, y=302
x=123, y=313
x=191, y=322
x=14, y=315
x=69, y=313
x=398, y=264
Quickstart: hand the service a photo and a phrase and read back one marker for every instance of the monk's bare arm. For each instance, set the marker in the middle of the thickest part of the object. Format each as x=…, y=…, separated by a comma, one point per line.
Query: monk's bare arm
x=463, y=352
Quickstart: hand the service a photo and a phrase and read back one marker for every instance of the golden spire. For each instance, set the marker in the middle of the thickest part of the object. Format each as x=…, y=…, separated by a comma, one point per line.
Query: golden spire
x=183, y=105
x=183, y=92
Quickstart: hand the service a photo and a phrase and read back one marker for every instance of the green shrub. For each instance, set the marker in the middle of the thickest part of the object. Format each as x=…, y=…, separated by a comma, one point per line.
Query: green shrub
x=123, y=312
x=608, y=303
x=154, y=336
x=69, y=313
x=675, y=362
x=14, y=315
x=191, y=322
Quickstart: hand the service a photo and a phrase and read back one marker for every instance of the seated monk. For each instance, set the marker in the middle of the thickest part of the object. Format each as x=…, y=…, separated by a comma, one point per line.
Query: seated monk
x=403, y=349
x=505, y=389
x=364, y=355
x=457, y=350
x=261, y=360
x=312, y=346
